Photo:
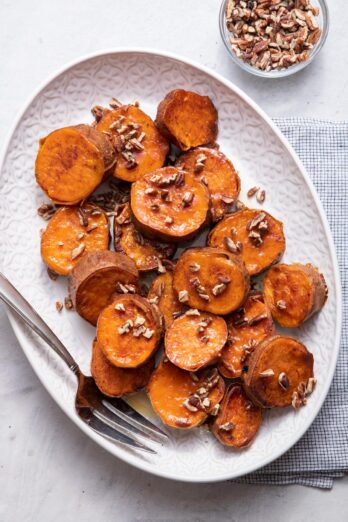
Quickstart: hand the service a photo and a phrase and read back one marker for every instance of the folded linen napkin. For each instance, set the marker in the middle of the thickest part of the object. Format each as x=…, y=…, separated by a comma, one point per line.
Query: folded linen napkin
x=322, y=454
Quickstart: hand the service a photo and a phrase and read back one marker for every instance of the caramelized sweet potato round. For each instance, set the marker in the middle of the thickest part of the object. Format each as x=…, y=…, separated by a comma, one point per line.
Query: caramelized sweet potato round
x=145, y=252
x=129, y=330
x=141, y=146
x=213, y=168
x=247, y=327
x=94, y=281
x=71, y=163
x=117, y=382
x=181, y=399
x=294, y=293
x=187, y=119
x=255, y=235
x=193, y=342
x=238, y=420
x=71, y=234
x=169, y=204
x=162, y=294
x=211, y=279
x=279, y=371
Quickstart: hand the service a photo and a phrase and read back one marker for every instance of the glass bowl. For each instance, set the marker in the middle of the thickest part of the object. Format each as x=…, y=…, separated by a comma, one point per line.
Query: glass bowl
x=323, y=21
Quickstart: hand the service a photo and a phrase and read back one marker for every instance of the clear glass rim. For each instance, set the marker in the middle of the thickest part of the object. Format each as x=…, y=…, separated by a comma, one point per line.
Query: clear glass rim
x=275, y=73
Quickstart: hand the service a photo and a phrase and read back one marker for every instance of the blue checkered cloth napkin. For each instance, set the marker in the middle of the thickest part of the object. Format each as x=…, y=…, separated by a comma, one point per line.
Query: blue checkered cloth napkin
x=322, y=454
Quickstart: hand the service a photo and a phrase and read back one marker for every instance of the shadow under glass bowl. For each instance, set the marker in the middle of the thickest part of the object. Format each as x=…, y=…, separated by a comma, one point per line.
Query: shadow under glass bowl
x=323, y=21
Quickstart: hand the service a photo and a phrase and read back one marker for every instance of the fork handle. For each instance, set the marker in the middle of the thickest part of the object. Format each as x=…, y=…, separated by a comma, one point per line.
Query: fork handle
x=10, y=295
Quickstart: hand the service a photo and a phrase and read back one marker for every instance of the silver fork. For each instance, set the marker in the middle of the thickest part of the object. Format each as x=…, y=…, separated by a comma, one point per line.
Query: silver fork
x=110, y=417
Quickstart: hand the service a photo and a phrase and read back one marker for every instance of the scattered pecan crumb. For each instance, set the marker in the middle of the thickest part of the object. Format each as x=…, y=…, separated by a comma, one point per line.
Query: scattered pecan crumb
x=59, y=306
x=261, y=196
x=68, y=303
x=252, y=191
x=267, y=373
x=283, y=381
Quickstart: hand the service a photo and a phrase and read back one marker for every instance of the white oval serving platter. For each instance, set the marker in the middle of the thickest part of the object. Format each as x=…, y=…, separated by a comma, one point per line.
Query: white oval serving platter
x=262, y=156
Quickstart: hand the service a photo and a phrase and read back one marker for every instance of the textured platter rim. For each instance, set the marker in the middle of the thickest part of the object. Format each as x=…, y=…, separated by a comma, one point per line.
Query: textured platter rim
x=134, y=459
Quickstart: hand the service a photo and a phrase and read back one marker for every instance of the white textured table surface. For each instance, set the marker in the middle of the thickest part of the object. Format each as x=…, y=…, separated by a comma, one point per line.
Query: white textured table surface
x=49, y=471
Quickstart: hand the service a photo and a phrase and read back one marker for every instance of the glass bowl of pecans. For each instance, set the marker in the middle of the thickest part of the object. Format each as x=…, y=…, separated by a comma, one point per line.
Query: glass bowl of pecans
x=273, y=38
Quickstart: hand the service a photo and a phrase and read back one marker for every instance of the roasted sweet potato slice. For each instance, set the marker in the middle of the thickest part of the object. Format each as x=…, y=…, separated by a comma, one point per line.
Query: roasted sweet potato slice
x=141, y=146
x=146, y=253
x=294, y=293
x=238, y=420
x=95, y=279
x=212, y=280
x=195, y=341
x=247, y=327
x=71, y=163
x=253, y=234
x=162, y=293
x=169, y=204
x=187, y=119
x=71, y=234
x=129, y=330
x=213, y=168
x=280, y=373
x=181, y=399
x=116, y=382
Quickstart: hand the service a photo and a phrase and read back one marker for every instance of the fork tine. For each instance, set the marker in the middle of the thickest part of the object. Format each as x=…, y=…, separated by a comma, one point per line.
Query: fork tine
x=111, y=433
x=123, y=410
x=105, y=414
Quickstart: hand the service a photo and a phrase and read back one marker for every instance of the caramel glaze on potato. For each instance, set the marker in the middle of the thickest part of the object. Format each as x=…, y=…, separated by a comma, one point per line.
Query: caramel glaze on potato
x=195, y=341
x=184, y=400
x=294, y=293
x=169, y=204
x=279, y=371
x=255, y=235
x=134, y=133
x=117, y=382
x=238, y=420
x=162, y=293
x=71, y=163
x=213, y=168
x=146, y=253
x=211, y=280
x=247, y=327
x=71, y=234
x=187, y=119
x=94, y=281
x=129, y=331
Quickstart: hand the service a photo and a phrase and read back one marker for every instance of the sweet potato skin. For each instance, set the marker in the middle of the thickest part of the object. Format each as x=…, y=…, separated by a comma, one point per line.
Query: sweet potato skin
x=155, y=145
x=215, y=265
x=123, y=348
x=170, y=387
x=71, y=163
x=220, y=175
x=118, y=382
x=187, y=119
x=294, y=293
x=143, y=251
x=239, y=414
x=151, y=211
x=194, y=342
x=245, y=332
x=65, y=233
x=281, y=355
x=162, y=293
x=257, y=257
x=93, y=281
